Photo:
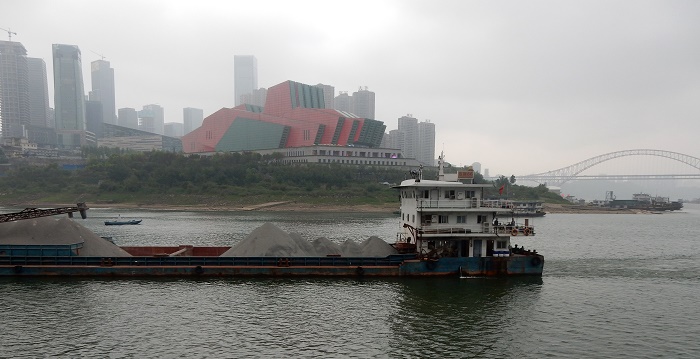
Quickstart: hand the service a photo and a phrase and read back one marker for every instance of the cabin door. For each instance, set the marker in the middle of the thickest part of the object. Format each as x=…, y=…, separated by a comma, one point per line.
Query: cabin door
x=476, y=248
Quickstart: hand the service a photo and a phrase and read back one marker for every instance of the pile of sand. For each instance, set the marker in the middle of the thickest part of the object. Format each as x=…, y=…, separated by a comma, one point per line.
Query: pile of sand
x=270, y=241
x=49, y=231
x=266, y=241
x=376, y=247
x=324, y=247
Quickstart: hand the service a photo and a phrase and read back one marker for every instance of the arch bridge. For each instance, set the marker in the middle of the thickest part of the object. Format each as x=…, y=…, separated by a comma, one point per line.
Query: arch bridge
x=565, y=174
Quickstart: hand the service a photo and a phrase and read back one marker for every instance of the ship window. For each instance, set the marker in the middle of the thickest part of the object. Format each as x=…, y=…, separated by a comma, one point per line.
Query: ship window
x=443, y=219
x=426, y=194
x=501, y=244
x=413, y=218
x=450, y=194
x=480, y=218
x=461, y=219
x=470, y=194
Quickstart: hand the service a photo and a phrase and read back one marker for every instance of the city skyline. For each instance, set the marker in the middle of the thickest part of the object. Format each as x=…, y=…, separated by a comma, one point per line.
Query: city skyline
x=566, y=81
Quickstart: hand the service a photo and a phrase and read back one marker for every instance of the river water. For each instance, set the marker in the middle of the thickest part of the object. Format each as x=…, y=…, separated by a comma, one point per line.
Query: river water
x=614, y=286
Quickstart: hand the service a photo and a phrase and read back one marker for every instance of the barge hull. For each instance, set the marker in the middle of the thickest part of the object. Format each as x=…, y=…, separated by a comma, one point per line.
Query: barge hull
x=281, y=267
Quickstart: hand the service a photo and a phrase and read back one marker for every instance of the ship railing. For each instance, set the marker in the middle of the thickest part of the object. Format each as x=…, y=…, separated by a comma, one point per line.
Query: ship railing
x=448, y=230
x=464, y=203
x=517, y=229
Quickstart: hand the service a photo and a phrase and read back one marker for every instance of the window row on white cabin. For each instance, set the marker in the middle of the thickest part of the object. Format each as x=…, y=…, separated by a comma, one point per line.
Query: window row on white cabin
x=447, y=194
x=442, y=218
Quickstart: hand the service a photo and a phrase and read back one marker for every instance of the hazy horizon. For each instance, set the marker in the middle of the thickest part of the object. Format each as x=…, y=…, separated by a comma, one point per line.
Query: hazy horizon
x=521, y=87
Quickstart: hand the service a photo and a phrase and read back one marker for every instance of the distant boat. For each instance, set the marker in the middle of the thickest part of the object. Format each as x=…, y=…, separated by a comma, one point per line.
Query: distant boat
x=122, y=222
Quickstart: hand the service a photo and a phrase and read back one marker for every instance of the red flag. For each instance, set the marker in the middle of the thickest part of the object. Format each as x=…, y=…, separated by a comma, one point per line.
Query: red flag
x=500, y=190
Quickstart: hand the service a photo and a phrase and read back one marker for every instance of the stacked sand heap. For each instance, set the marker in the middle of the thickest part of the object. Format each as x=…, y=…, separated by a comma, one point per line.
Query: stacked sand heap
x=270, y=241
x=48, y=231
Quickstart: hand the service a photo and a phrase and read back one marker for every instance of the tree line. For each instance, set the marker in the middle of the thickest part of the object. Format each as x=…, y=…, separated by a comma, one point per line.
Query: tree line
x=114, y=175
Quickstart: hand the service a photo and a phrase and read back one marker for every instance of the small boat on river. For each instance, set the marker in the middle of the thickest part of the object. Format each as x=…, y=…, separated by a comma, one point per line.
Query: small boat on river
x=120, y=222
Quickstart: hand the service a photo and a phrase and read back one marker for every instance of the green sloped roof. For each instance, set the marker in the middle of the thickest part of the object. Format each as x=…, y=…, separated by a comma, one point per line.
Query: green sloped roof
x=246, y=134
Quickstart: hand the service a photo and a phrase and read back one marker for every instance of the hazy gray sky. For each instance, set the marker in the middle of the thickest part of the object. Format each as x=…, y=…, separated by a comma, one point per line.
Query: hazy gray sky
x=520, y=86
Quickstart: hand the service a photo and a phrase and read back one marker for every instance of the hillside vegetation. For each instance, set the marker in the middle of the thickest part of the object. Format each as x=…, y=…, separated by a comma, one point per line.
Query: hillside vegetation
x=230, y=179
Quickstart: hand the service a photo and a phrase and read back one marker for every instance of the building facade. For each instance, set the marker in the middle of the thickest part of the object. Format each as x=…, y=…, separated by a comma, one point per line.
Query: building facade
x=174, y=129
x=102, y=76
x=294, y=115
x=128, y=138
x=14, y=89
x=128, y=117
x=408, y=126
x=191, y=119
x=69, y=96
x=328, y=95
x=426, y=143
x=152, y=119
x=93, y=117
x=343, y=102
x=245, y=76
x=38, y=93
x=363, y=103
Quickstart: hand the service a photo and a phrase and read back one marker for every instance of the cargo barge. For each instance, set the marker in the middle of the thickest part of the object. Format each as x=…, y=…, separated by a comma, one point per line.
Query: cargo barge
x=446, y=229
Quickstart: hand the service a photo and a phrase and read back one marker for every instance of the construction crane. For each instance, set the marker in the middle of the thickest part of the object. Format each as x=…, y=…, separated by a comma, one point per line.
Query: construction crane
x=29, y=213
x=9, y=32
x=100, y=55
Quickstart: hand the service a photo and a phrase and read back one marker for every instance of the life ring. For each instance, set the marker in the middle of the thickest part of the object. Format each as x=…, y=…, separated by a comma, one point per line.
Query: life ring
x=431, y=264
x=360, y=271
x=536, y=261
x=513, y=232
x=526, y=231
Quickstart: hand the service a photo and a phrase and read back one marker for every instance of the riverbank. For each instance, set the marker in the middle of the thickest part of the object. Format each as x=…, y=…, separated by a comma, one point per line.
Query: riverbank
x=289, y=206
x=293, y=206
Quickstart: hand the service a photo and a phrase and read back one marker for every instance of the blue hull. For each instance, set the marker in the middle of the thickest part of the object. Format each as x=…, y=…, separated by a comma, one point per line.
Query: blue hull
x=392, y=266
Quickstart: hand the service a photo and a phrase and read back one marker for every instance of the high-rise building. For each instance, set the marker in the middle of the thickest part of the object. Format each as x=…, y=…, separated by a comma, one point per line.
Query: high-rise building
x=328, y=95
x=408, y=125
x=256, y=98
x=191, y=118
x=476, y=166
x=342, y=102
x=38, y=93
x=103, y=89
x=152, y=119
x=426, y=143
x=174, y=129
x=363, y=103
x=128, y=117
x=245, y=76
x=393, y=139
x=93, y=117
x=69, y=96
x=14, y=89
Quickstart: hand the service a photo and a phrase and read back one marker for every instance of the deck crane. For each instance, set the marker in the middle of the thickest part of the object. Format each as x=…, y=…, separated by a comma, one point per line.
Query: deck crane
x=9, y=32
x=29, y=213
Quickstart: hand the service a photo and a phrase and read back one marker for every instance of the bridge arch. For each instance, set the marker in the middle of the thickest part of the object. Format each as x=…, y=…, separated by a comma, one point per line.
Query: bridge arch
x=565, y=174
